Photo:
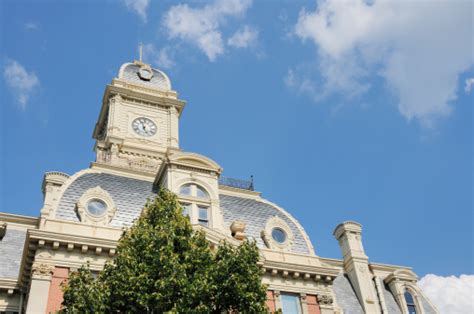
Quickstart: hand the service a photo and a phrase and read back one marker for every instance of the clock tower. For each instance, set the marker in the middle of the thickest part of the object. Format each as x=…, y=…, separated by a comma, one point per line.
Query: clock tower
x=138, y=122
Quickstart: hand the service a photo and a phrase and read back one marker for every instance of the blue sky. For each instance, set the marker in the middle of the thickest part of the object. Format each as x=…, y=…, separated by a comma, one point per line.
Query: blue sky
x=340, y=111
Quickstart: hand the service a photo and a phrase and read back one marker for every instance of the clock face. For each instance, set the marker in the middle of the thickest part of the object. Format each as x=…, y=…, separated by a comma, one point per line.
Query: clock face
x=144, y=126
x=145, y=74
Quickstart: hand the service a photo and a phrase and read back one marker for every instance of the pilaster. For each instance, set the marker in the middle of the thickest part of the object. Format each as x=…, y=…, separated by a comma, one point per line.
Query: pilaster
x=41, y=275
x=356, y=264
x=326, y=303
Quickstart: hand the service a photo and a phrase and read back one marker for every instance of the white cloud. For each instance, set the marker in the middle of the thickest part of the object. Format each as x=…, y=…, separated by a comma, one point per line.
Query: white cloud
x=453, y=295
x=21, y=83
x=202, y=26
x=139, y=7
x=244, y=37
x=469, y=84
x=163, y=58
x=418, y=47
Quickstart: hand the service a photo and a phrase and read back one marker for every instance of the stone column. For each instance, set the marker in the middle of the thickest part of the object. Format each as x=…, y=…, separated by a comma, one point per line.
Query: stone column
x=174, y=127
x=356, y=264
x=276, y=295
x=41, y=274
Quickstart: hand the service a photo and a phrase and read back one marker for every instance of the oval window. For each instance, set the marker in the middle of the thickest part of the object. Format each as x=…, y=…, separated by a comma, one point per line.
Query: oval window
x=279, y=235
x=96, y=207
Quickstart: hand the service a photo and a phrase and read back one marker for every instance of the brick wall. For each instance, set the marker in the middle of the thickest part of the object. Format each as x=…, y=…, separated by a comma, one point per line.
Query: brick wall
x=270, y=301
x=313, y=305
x=55, y=296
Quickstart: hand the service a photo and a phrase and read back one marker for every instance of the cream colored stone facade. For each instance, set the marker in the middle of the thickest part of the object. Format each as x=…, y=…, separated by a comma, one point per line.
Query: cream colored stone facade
x=65, y=237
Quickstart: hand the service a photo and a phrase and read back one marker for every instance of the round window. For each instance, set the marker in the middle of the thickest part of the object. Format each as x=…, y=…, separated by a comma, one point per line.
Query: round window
x=279, y=235
x=96, y=207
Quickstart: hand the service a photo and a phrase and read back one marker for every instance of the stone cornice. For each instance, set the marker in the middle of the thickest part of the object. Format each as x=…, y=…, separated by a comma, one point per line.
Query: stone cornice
x=228, y=190
x=19, y=219
x=8, y=284
x=308, y=272
x=125, y=172
x=386, y=267
x=49, y=237
x=350, y=226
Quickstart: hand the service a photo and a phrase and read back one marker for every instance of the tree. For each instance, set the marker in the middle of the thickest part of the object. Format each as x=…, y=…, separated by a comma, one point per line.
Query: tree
x=163, y=265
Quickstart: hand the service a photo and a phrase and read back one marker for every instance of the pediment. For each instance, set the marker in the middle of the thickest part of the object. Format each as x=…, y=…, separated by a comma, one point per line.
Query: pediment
x=195, y=160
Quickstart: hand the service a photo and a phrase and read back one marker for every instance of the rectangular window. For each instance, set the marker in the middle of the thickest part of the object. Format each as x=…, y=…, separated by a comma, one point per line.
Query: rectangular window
x=187, y=209
x=290, y=303
x=203, y=217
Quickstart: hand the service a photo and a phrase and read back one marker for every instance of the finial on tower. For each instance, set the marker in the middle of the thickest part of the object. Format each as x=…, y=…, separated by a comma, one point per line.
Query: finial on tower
x=140, y=52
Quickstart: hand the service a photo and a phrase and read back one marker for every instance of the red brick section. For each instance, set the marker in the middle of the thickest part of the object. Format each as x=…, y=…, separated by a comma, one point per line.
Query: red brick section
x=270, y=301
x=313, y=305
x=55, y=297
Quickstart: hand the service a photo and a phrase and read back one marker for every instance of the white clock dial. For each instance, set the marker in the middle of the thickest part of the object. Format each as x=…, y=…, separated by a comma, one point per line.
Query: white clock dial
x=144, y=126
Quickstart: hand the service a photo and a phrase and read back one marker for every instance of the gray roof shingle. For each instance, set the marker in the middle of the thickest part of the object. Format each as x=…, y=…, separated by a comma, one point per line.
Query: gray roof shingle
x=255, y=214
x=130, y=195
x=11, y=249
x=392, y=305
x=159, y=80
x=346, y=296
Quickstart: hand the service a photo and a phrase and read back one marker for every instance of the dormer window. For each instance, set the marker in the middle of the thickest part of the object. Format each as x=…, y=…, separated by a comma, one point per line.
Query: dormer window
x=196, y=203
x=194, y=190
x=410, y=303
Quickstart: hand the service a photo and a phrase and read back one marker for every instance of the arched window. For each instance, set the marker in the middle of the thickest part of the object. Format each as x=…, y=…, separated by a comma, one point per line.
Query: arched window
x=196, y=203
x=191, y=189
x=410, y=303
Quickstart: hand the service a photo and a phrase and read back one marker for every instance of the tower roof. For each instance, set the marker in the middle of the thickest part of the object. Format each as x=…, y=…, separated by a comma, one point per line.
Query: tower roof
x=143, y=74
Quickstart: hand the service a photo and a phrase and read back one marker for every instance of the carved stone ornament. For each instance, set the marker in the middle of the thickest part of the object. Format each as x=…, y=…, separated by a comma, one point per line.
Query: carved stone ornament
x=238, y=230
x=42, y=270
x=325, y=299
x=277, y=223
x=100, y=195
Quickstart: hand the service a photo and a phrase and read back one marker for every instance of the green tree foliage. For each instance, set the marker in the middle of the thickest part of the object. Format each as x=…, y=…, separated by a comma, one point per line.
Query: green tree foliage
x=162, y=265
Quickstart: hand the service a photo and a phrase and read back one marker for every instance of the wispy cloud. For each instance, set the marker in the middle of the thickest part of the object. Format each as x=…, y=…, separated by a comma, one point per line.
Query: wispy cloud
x=419, y=59
x=201, y=26
x=30, y=26
x=138, y=7
x=469, y=84
x=162, y=58
x=450, y=294
x=243, y=38
x=21, y=82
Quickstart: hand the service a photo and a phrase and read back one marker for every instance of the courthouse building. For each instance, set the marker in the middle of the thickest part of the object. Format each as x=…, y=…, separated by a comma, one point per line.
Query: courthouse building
x=137, y=150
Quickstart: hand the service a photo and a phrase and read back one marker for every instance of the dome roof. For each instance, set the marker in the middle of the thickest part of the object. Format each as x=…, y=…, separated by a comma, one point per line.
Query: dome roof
x=144, y=74
x=130, y=195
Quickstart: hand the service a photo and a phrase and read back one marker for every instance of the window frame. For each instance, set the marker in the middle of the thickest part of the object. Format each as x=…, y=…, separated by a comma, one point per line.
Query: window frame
x=196, y=203
x=414, y=298
x=290, y=294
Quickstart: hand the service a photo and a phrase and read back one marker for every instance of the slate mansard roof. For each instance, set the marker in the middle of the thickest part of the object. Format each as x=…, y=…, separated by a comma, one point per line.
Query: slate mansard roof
x=130, y=195
x=11, y=250
x=130, y=72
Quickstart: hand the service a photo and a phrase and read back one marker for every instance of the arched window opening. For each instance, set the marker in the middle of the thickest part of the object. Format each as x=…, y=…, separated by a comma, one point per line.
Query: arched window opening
x=196, y=203
x=410, y=303
x=194, y=190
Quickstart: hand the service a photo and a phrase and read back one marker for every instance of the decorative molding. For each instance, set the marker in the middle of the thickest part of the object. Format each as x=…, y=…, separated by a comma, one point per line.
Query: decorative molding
x=42, y=271
x=237, y=229
x=277, y=222
x=325, y=299
x=297, y=224
x=100, y=194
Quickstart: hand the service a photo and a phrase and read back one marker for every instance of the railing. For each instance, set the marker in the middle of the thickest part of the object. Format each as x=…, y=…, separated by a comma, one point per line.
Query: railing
x=237, y=183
